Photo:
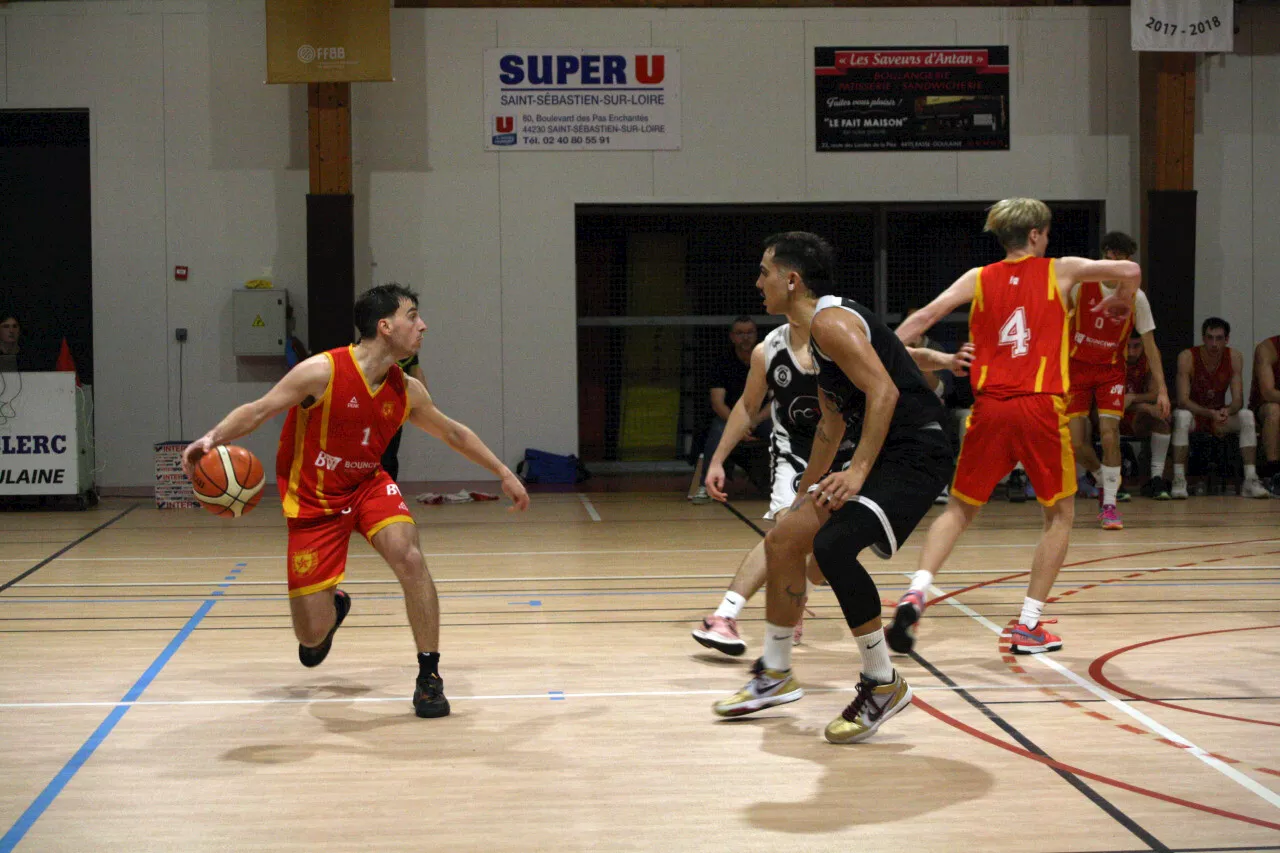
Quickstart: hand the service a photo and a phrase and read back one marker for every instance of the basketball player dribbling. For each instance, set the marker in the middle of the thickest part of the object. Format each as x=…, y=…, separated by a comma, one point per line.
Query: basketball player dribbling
x=344, y=407
x=1019, y=325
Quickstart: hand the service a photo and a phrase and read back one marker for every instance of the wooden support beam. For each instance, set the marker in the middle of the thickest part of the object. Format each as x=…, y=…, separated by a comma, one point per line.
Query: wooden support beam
x=329, y=137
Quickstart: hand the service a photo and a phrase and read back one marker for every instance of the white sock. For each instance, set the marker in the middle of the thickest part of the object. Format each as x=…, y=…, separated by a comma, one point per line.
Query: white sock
x=921, y=581
x=777, y=647
x=731, y=606
x=1031, y=610
x=1179, y=471
x=1110, y=484
x=875, y=656
x=1159, y=452
x=1251, y=472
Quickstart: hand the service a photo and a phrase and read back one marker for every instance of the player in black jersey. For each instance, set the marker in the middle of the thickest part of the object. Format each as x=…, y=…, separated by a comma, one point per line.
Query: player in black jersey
x=872, y=390
x=782, y=367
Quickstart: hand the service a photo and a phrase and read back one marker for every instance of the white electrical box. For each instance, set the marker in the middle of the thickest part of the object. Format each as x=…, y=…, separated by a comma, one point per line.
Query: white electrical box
x=260, y=322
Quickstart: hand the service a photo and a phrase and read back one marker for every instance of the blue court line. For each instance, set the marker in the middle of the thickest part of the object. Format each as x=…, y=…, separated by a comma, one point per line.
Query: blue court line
x=555, y=695
x=46, y=797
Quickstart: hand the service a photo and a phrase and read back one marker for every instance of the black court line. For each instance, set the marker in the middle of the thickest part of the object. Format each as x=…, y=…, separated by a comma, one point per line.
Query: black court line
x=47, y=560
x=1076, y=782
x=1070, y=778
x=733, y=509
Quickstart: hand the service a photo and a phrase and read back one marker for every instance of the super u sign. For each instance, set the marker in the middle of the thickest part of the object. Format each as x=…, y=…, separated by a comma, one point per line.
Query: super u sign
x=582, y=99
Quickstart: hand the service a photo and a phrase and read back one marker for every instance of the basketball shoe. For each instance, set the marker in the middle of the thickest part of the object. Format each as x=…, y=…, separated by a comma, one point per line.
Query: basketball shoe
x=902, y=633
x=1178, y=491
x=874, y=704
x=720, y=633
x=767, y=687
x=1033, y=641
x=1110, y=518
x=315, y=655
x=428, y=696
x=1253, y=488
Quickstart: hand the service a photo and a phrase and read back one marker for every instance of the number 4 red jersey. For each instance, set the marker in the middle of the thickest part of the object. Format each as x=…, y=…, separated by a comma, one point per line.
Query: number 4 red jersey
x=330, y=449
x=1019, y=323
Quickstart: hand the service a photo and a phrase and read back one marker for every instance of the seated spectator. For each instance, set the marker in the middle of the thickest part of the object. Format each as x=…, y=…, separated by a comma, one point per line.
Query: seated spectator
x=10, y=333
x=1142, y=418
x=1264, y=402
x=727, y=382
x=1205, y=374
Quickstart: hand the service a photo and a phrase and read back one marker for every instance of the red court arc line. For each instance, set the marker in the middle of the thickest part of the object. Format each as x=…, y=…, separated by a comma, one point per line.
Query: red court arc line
x=1105, y=780
x=972, y=587
x=1095, y=671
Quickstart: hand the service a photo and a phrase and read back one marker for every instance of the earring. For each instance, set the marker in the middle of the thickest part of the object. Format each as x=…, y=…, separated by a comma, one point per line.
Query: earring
x=791, y=287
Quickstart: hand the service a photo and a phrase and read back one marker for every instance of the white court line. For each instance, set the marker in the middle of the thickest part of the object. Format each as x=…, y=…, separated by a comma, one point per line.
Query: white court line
x=641, y=694
x=439, y=554
x=591, y=511
x=1221, y=766
x=583, y=578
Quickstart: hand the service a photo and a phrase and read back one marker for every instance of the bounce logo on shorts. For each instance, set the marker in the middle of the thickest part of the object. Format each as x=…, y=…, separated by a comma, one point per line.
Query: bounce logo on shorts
x=504, y=130
x=304, y=562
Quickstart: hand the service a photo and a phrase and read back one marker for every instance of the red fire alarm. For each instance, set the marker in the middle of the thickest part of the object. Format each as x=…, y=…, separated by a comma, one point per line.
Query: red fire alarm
x=180, y=273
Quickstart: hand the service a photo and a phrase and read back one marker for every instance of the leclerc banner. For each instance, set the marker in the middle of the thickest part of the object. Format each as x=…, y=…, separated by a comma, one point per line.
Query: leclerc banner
x=912, y=98
x=334, y=41
x=1204, y=26
x=582, y=99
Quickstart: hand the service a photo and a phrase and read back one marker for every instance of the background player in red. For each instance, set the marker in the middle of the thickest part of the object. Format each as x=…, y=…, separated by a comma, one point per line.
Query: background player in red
x=1018, y=323
x=344, y=407
x=1097, y=374
x=1205, y=374
x=1142, y=418
x=1264, y=402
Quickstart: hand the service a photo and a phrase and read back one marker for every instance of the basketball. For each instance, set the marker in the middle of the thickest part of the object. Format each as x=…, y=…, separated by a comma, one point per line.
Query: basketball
x=228, y=480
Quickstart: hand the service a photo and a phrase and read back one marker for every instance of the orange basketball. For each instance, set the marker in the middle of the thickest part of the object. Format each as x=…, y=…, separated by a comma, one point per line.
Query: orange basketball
x=228, y=480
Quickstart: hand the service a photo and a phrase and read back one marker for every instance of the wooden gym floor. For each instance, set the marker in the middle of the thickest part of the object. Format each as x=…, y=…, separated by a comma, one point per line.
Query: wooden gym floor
x=151, y=698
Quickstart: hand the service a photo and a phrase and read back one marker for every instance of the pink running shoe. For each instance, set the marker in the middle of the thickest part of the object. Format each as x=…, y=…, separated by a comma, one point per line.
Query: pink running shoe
x=902, y=633
x=1033, y=641
x=1110, y=518
x=720, y=633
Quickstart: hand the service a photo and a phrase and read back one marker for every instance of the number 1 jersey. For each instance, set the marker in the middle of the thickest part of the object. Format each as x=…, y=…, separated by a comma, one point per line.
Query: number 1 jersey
x=1019, y=325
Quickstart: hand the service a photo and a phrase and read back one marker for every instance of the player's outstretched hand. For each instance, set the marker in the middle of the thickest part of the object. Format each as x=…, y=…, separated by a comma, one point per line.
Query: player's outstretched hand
x=715, y=482
x=837, y=488
x=514, y=489
x=1114, y=307
x=195, y=450
x=961, y=360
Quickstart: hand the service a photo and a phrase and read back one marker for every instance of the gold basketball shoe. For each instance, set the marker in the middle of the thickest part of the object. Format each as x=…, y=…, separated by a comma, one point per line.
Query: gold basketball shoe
x=874, y=704
x=767, y=687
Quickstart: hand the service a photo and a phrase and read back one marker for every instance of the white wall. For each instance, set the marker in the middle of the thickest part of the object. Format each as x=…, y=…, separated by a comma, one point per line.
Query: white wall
x=1238, y=183
x=196, y=162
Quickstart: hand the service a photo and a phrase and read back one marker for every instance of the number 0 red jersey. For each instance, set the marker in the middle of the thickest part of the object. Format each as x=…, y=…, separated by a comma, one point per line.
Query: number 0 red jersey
x=328, y=450
x=1018, y=323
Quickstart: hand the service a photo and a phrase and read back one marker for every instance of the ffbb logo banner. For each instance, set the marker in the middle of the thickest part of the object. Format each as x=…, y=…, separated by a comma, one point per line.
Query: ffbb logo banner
x=582, y=99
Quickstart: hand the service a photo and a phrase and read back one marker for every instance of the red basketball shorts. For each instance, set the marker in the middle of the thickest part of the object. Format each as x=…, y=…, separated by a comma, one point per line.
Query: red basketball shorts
x=1031, y=429
x=318, y=546
x=1101, y=382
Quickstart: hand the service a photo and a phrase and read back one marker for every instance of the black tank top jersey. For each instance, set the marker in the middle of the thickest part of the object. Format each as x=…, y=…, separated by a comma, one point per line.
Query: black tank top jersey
x=917, y=405
x=795, y=408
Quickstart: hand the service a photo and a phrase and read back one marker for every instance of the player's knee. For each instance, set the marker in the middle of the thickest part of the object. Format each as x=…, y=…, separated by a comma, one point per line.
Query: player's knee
x=310, y=631
x=408, y=563
x=786, y=541
x=1246, y=418
x=1109, y=428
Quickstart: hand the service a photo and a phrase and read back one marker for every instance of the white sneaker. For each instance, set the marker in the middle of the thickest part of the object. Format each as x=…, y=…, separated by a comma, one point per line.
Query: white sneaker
x=1179, y=489
x=701, y=496
x=1253, y=488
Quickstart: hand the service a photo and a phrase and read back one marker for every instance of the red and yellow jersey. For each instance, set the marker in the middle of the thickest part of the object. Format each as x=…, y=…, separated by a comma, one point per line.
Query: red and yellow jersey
x=329, y=449
x=1209, y=387
x=1255, y=392
x=1097, y=338
x=1136, y=376
x=1018, y=323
